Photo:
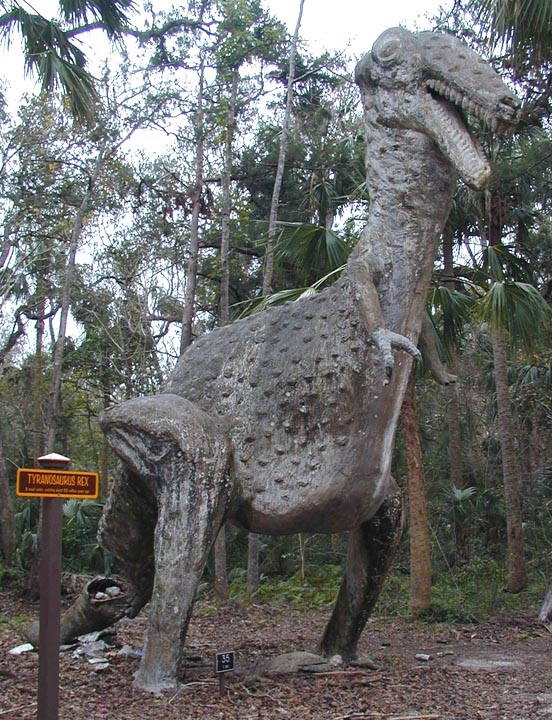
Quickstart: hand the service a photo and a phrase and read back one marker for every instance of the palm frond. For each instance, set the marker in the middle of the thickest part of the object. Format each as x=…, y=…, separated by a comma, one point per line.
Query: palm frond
x=82, y=513
x=461, y=494
x=250, y=307
x=40, y=37
x=517, y=308
x=535, y=375
x=313, y=247
x=112, y=14
x=520, y=25
x=77, y=85
x=455, y=308
x=502, y=263
x=57, y=61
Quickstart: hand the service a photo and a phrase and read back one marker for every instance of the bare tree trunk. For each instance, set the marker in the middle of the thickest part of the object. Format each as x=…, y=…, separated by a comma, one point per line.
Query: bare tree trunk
x=420, y=547
x=18, y=330
x=221, y=566
x=32, y=589
x=284, y=139
x=219, y=549
x=253, y=542
x=104, y=451
x=55, y=384
x=545, y=614
x=191, y=272
x=453, y=411
x=517, y=570
x=227, y=203
x=38, y=420
x=8, y=541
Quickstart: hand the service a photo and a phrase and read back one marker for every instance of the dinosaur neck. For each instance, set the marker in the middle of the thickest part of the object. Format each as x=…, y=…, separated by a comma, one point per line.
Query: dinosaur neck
x=411, y=187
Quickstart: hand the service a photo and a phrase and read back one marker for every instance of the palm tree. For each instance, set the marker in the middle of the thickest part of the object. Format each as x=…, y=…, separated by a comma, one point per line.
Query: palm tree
x=522, y=26
x=514, y=312
x=50, y=49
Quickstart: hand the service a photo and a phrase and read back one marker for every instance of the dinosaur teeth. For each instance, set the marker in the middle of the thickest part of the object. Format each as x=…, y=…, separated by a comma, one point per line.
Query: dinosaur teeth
x=495, y=123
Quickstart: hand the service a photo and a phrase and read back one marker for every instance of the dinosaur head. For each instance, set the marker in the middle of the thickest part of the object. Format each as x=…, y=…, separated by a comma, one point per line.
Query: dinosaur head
x=430, y=82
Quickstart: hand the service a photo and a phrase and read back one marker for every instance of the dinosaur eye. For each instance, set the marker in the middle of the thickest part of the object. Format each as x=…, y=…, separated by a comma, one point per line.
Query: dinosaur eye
x=387, y=50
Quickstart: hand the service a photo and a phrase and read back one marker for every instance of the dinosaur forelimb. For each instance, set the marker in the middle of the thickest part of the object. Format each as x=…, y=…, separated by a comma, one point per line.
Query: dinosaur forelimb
x=386, y=341
x=428, y=348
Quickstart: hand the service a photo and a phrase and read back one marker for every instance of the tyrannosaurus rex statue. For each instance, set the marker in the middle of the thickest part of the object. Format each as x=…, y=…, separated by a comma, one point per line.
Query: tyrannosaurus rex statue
x=285, y=422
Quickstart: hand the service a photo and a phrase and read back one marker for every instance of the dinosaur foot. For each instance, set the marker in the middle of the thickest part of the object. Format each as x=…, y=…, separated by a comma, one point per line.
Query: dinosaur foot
x=302, y=662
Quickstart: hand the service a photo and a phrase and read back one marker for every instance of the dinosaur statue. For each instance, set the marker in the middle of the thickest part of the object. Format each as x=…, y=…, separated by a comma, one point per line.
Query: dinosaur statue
x=285, y=422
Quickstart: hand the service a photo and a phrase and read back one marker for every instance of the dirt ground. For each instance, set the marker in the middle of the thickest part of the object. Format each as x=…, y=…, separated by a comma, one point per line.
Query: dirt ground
x=499, y=670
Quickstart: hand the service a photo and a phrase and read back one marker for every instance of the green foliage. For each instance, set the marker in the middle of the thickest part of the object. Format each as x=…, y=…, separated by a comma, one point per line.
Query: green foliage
x=318, y=589
x=80, y=550
x=13, y=622
x=26, y=521
x=478, y=592
x=518, y=308
x=8, y=575
x=521, y=26
x=474, y=592
x=311, y=249
x=282, y=297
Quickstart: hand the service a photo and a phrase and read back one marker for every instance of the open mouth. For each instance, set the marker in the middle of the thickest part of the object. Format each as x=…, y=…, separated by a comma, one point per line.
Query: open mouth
x=501, y=120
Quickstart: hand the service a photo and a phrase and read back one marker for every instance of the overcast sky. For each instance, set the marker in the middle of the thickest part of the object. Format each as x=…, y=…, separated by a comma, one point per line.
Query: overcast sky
x=351, y=25
x=333, y=24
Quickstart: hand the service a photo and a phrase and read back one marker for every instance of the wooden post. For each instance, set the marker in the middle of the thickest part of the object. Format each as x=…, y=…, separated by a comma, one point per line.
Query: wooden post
x=50, y=597
x=50, y=609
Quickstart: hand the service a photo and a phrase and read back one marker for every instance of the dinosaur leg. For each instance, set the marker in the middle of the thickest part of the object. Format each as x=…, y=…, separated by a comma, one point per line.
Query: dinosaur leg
x=184, y=457
x=189, y=520
x=371, y=549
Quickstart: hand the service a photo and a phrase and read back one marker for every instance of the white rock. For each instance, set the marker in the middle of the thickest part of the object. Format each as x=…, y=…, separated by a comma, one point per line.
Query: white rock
x=20, y=649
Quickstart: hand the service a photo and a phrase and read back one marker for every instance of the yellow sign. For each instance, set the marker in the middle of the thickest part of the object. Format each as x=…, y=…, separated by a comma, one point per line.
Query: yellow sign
x=56, y=484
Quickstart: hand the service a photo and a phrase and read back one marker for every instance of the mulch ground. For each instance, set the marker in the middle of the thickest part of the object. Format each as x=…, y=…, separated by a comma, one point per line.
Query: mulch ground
x=500, y=670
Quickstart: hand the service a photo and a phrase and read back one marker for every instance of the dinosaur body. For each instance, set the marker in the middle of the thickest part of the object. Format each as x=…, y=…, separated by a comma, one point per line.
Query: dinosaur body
x=296, y=410
x=285, y=422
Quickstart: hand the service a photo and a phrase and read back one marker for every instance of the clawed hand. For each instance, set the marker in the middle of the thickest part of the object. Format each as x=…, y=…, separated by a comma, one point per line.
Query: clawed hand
x=386, y=341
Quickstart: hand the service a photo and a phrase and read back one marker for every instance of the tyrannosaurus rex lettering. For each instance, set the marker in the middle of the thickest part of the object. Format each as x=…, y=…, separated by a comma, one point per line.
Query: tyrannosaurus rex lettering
x=285, y=422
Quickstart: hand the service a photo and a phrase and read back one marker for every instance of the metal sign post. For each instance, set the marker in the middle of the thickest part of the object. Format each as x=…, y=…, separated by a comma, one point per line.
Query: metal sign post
x=52, y=482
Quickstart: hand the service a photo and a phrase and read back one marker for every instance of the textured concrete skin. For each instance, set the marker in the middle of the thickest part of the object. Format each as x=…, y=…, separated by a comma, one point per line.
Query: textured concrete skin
x=285, y=422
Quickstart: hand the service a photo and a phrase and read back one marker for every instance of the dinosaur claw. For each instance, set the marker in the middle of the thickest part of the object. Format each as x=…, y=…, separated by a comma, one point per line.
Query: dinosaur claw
x=386, y=341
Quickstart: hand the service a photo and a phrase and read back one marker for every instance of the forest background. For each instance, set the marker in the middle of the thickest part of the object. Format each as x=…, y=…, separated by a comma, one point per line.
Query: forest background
x=213, y=166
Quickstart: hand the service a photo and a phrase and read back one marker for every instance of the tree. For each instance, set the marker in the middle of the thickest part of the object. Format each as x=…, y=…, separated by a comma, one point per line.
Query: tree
x=7, y=523
x=420, y=546
x=453, y=413
x=514, y=312
x=284, y=136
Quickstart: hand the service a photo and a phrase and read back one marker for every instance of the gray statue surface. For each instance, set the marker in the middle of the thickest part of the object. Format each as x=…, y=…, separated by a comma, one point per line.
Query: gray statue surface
x=285, y=422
